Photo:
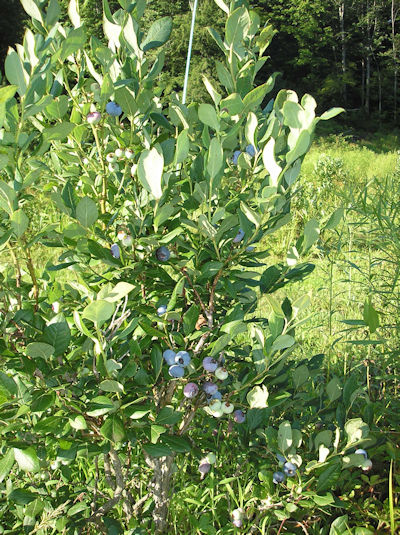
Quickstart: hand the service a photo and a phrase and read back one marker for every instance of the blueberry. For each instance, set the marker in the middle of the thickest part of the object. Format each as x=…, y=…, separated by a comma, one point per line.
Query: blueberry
x=216, y=395
x=176, y=371
x=204, y=468
x=281, y=458
x=289, y=469
x=183, y=358
x=163, y=254
x=115, y=250
x=191, y=390
x=239, y=416
x=93, y=117
x=210, y=364
x=113, y=109
x=235, y=157
x=278, y=477
x=227, y=408
x=237, y=513
x=250, y=249
x=221, y=374
x=239, y=236
x=251, y=151
x=169, y=357
x=161, y=310
x=362, y=452
x=210, y=388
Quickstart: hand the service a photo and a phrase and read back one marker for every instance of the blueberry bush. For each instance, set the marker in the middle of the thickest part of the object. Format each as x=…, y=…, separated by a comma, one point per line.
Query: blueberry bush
x=138, y=237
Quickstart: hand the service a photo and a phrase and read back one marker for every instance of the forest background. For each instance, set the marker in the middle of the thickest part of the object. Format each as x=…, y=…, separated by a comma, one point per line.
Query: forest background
x=344, y=52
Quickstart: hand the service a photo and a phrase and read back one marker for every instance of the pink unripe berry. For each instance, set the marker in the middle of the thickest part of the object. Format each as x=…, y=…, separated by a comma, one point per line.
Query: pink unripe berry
x=239, y=416
x=190, y=390
x=210, y=364
x=93, y=117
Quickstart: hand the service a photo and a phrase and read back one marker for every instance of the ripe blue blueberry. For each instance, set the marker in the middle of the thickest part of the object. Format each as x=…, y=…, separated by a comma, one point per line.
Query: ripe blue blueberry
x=176, y=371
x=169, y=357
x=235, y=157
x=115, y=250
x=362, y=452
x=183, y=358
x=190, y=390
x=289, y=469
x=210, y=364
x=278, y=477
x=251, y=151
x=113, y=109
x=163, y=254
x=161, y=310
x=239, y=416
x=239, y=236
x=216, y=395
x=210, y=388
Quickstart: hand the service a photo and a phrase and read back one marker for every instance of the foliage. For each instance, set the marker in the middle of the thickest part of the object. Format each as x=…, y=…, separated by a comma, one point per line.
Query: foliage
x=157, y=220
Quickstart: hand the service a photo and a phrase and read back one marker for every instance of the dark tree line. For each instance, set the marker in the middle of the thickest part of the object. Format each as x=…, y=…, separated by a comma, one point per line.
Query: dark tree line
x=344, y=52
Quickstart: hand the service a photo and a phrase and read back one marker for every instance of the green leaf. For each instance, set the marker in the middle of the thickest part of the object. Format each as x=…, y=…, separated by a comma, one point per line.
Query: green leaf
x=19, y=222
x=15, y=71
x=257, y=398
x=73, y=43
x=334, y=389
x=212, y=91
x=6, y=463
x=57, y=334
x=167, y=416
x=301, y=147
x=177, y=444
x=356, y=430
x=158, y=34
x=340, y=526
x=282, y=342
x=21, y=496
x=99, y=311
x=156, y=360
x=370, y=316
x=270, y=162
x=155, y=432
x=32, y=9
x=8, y=198
x=300, y=375
x=334, y=219
x=182, y=147
x=43, y=402
x=254, y=98
x=205, y=227
x=221, y=4
x=99, y=406
x=285, y=436
x=236, y=28
x=311, y=233
x=252, y=216
x=120, y=290
x=215, y=160
x=7, y=93
x=233, y=104
x=150, y=170
x=58, y=132
x=157, y=450
x=208, y=116
x=87, y=212
x=113, y=429
x=27, y=459
x=190, y=319
x=220, y=344
x=39, y=350
x=331, y=113
x=8, y=383
x=177, y=292
x=78, y=422
x=109, y=385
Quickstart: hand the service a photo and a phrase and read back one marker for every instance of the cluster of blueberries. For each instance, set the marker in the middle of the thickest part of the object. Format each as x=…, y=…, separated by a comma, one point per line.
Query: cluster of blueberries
x=289, y=470
x=177, y=362
x=250, y=150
